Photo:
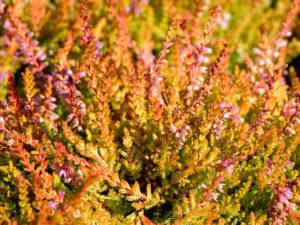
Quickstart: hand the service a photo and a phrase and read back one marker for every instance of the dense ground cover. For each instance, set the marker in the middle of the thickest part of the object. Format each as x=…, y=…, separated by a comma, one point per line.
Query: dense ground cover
x=149, y=112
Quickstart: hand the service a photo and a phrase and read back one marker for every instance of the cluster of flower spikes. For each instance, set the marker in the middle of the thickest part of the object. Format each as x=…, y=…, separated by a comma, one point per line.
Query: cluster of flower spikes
x=110, y=134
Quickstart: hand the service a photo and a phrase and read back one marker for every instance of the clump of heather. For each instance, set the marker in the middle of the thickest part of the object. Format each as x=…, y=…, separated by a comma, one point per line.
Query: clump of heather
x=149, y=112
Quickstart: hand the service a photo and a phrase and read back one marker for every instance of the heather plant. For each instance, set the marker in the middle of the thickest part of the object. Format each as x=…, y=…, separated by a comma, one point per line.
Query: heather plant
x=149, y=112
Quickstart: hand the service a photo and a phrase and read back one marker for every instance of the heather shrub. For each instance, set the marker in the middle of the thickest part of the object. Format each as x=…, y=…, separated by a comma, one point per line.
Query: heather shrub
x=149, y=112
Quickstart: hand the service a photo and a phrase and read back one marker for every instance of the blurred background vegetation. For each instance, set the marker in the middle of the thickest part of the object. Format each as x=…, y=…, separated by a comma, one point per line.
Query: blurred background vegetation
x=243, y=24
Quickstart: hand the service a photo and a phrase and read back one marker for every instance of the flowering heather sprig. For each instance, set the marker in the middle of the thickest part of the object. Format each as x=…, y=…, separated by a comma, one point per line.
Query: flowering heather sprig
x=28, y=46
x=154, y=79
x=67, y=173
x=291, y=110
x=87, y=36
x=282, y=206
x=136, y=6
x=285, y=31
x=216, y=70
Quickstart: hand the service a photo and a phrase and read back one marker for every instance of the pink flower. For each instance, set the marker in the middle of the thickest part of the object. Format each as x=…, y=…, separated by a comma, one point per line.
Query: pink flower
x=52, y=204
x=269, y=167
x=53, y=116
x=82, y=74
x=54, y=166
x=220, y=177
x=227, y=164
x=223, y=105
x=213, y=196
x=289, y=108
x=10, y=142
x=227, y=115
x=289, y=163
x=61, y=195
x=67, y=173
x=2, y=122
x=62, y=174
x=287, y=193
x=220, y=187
x=229, y=169
x=283, y=199
x=203, y=187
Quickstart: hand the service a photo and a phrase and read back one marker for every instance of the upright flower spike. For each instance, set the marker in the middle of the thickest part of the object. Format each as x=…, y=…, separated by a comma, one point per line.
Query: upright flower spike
x=213, y=20
x=154, y=91
x=217, y=70
x=86, y=33
x=34, y=56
